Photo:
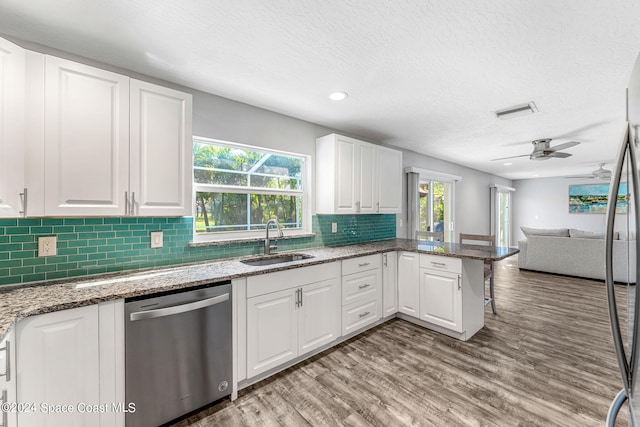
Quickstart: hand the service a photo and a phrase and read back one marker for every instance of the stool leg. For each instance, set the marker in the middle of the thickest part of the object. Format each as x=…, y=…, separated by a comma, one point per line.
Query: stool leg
x=493, y=298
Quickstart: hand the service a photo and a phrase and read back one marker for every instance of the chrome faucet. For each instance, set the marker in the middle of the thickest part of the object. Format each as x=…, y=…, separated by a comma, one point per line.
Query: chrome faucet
x=267, y=242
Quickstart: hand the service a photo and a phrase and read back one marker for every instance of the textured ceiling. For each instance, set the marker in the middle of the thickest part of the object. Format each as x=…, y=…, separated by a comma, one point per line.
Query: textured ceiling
x=422, y=75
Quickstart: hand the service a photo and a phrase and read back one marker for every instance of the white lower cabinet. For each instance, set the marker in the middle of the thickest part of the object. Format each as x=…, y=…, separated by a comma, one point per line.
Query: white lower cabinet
x=409, y=283
x=272, y=330
x=65, y=369
x=361, y=292
x=318, y=315
x=283, y=324
x=441, y=299
x=8, y=388
x=389, y=284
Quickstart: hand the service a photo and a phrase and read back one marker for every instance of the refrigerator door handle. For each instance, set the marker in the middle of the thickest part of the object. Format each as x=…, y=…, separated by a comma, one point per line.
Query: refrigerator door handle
x=614, y=409
x=633, y=361
x=625, y=369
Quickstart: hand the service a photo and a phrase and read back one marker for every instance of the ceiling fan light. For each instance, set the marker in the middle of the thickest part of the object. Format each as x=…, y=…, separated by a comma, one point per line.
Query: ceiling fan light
x=517, y=111
x=338, y=96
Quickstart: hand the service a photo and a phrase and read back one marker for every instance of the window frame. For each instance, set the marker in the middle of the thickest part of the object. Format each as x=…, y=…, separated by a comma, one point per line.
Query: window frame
x=305, y=193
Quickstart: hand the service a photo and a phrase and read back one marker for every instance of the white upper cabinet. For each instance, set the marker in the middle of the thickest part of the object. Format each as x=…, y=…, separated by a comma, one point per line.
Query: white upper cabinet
x=86, y=139
x=367, y=178
x=113, y=145
x=160, y=150
x=356, y=177
x=12, y=128
x=389, y=165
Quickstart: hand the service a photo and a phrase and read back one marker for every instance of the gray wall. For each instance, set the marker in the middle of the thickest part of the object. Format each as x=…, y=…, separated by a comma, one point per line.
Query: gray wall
x=222, y=118
x=544, y=203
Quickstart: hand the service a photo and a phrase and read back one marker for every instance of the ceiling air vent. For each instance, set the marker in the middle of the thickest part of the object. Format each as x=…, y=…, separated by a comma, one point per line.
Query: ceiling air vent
x=517, y=111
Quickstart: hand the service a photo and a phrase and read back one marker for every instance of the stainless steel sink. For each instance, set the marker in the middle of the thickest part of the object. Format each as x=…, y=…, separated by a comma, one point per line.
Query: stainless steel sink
x=275, y=259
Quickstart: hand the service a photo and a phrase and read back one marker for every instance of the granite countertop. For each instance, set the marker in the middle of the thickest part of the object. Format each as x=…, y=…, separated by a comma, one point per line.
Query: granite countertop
x=29, y=300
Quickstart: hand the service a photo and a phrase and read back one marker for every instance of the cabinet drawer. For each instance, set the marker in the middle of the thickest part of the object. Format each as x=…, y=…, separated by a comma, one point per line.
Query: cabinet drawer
x=442, y=263
x=287, y=279
x=360, y=314
x=360, y=286
x=364, y=263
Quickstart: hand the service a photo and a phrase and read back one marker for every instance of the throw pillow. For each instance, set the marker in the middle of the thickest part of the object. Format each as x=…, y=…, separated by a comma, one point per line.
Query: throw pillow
x=554, y=232
x=582, y=234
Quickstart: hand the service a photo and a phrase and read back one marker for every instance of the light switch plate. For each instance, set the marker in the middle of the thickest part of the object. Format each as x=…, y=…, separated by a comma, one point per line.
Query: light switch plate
x=47, y=246
x=334, y=227
x=156, y=239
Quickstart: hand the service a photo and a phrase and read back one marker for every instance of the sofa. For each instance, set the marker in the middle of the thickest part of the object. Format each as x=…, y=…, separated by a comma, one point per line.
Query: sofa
x=581, y=255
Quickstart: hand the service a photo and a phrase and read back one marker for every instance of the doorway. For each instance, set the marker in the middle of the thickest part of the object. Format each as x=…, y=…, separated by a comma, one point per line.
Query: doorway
x=435, y=201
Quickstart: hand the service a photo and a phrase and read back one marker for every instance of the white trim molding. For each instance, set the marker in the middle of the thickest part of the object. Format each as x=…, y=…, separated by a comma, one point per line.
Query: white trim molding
x=433, y=175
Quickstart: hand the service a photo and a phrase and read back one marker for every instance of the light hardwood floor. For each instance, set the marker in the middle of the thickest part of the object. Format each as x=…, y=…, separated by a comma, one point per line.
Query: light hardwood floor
x=546, y=359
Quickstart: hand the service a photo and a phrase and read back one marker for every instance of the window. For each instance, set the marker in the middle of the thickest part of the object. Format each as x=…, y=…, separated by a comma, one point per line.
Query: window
x=238, y=188
x=435, y=200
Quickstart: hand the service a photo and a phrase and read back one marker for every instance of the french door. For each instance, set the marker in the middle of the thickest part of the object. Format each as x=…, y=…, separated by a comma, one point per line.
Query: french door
x=435, y=205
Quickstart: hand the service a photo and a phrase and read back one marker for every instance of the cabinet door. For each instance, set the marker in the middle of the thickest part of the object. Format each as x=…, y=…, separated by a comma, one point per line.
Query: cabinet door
x=8, y=378
x=12, y=127
x=319, y=315
x=272, y=331
x=161, y=146
x=366, y=180
x=389, y=165
x=346, y=173
x=441, y=299
x=58, y=364
x=86, y=139
x=409, y=284
x=389, y=284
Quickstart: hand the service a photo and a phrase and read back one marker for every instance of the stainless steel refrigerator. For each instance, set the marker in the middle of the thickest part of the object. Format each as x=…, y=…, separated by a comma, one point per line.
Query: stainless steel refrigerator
x=623, y=218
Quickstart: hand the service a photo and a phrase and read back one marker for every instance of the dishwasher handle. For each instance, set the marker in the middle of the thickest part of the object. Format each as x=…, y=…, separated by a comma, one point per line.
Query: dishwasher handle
x=177, y=309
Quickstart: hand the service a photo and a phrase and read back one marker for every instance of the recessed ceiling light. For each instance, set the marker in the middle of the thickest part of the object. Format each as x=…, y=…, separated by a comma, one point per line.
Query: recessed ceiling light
x=508, y=164
x=338, y=96
x=517, y=111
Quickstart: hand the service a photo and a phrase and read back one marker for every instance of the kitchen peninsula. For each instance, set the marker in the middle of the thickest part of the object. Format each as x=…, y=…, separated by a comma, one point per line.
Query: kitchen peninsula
x=281, y=314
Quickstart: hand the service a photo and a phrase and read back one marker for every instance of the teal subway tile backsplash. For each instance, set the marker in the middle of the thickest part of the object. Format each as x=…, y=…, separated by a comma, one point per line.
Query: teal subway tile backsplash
x=101, y=245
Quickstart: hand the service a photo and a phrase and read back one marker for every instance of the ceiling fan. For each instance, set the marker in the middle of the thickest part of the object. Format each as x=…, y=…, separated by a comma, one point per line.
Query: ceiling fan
x=542, y=150
x=600, y=173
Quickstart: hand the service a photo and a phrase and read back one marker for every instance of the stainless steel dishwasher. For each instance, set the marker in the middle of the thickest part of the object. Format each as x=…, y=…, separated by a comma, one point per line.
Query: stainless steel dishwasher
x=177, y=354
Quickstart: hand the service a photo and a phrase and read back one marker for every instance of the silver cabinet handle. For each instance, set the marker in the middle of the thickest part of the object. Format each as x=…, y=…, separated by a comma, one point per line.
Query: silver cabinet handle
x=5, y=414
x=23, y=196
x=126, y=203
x=385, y=259
x=366, y=285
x=377, y=206
x=438, y=264
x=364, y=264
x=133, y=203
x=7, y=361
x=459, y=285
x=358, y=206
x=366, y=313
x=297, y=298
x=177, y=309
x=300, y=297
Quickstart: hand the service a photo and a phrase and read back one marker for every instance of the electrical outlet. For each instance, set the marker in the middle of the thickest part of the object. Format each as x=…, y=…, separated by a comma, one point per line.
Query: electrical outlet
x=157, y=239
x=334, y=227
x=47, y=246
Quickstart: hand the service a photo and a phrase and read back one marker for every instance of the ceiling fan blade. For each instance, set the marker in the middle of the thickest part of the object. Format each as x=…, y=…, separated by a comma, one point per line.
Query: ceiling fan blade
x=558, y=154
x=581, y=176
x=564, y=146
x=579, y=130
x=512, y=157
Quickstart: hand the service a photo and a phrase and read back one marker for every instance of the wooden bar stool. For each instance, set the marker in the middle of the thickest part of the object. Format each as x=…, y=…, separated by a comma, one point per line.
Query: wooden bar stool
x=488, y=265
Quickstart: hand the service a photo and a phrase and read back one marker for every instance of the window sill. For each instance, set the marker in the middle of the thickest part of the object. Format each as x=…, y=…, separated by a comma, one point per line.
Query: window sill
x=248, y=239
